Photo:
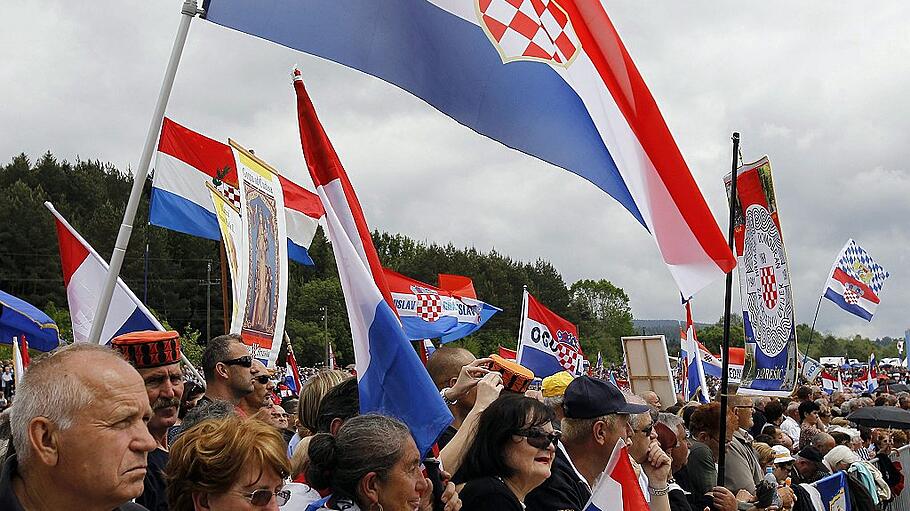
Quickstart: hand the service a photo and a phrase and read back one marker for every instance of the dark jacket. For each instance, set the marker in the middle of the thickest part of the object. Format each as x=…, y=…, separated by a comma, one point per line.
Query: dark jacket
x=9, y=501
x=563, y=490
x=489, y=494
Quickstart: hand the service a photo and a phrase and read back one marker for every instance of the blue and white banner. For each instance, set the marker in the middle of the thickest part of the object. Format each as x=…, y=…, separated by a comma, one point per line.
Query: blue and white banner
x=833, y=492
x=429, y=312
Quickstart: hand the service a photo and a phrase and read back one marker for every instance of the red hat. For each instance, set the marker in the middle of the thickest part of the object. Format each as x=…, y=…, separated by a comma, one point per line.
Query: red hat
x=149, y=348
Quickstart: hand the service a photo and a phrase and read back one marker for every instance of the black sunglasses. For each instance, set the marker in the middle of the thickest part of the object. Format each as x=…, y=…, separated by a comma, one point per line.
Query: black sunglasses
x=245, y=361
x=647, y=430
x=263, y=497
x=539, y=438
x=262, y=379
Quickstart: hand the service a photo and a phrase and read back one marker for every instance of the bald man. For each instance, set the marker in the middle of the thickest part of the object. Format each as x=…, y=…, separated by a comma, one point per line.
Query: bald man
x=79, y=432
x=455, y=372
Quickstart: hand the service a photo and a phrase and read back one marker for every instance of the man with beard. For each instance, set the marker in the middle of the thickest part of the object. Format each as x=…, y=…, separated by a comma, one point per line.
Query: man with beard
x=156, y=356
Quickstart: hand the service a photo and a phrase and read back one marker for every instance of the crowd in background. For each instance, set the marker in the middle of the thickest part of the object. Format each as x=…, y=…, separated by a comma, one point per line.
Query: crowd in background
x=122, y=428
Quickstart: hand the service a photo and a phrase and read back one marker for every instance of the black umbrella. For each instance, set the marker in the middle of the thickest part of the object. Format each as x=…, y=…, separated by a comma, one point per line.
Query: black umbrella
x=893, y=388
x=881, y=417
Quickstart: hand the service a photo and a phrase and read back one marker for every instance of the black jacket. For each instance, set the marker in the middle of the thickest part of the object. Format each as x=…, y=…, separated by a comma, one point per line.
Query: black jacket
x=563, y=490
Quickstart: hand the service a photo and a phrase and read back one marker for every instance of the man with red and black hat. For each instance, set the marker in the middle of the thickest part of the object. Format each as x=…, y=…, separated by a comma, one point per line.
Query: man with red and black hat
x=156, y=355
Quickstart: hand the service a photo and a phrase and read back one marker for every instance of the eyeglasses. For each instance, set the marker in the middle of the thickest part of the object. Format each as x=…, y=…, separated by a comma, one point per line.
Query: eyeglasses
x=647, y=430
x=263, y=497
x=263, y=379
x=244, y=361
x=750, y=407
x=539, y=438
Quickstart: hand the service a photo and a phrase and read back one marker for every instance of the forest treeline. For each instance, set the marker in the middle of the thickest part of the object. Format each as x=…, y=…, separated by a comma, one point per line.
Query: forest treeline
x=178, y=275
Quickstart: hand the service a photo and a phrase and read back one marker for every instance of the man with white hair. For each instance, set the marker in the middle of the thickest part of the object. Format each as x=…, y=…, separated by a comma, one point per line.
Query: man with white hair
x=790, y=425
x=79, y=433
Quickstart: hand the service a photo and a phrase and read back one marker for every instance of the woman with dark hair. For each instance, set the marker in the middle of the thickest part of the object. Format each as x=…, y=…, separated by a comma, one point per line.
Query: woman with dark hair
x=809, y=422
x=371, y=464
x=511, y=454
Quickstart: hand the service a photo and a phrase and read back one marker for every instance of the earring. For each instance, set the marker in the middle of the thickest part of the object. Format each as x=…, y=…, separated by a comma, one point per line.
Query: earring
x=379, y=506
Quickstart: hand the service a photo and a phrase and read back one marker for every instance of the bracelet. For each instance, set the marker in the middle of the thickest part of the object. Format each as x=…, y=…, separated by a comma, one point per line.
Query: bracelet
x=658, y=492
x=442, y=394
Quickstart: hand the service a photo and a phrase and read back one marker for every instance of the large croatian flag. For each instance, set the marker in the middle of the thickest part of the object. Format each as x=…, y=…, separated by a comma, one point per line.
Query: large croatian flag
x=84, y=272
x=550, y=78
x=187, y=162
x=390, y=377
x=855, y=281
x=548, y=343
x=429, y=312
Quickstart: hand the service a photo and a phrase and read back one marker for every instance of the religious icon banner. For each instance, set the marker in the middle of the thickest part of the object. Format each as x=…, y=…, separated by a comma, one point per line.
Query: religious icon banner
x=769, y=326
x=265, y=256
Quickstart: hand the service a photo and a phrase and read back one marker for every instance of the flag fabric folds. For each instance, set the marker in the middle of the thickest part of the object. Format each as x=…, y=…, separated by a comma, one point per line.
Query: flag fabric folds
x=872, y=374
x=582, y=106
x=293, y=379
x=695, y=388
x=855, y=281
x=547, y=343
x=19, y=318
x=833, y=492
x=187, y=162
x=429, y=312
x=618, y=487
x=84, y=272
x=20, y=359
x=390, y=377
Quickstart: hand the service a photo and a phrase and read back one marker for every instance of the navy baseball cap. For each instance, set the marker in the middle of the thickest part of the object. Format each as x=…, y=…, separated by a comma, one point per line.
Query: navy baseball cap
x=587, y=398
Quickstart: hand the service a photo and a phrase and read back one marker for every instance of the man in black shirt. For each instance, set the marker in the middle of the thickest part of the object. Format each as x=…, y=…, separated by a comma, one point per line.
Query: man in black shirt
x=596, y=416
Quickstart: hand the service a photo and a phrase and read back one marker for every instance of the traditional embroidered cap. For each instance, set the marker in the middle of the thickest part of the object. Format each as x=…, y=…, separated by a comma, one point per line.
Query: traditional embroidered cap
x=149, y=348
x=555, y=385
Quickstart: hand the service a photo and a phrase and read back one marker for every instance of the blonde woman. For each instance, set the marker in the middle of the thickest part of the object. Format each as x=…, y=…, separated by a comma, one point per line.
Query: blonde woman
x=229, y=464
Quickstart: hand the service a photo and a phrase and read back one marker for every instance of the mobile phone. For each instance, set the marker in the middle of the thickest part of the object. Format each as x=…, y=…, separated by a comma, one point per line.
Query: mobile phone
x=431, y=466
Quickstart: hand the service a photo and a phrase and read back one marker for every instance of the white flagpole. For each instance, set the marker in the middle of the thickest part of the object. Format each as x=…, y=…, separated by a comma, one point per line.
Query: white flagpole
x=187, y=11
x=521, y=322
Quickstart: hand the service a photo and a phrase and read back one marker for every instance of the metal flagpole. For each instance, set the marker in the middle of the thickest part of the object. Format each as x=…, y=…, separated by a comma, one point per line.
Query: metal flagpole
x=725, y=365
x=187, y=11
x=812, y=329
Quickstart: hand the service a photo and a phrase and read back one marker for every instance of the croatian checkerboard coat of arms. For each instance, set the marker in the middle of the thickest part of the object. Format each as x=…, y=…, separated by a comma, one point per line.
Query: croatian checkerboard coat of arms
x=764, y=276
x=537, y=30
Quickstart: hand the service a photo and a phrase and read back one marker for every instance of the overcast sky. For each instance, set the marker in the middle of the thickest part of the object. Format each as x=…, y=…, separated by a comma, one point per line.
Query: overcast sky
x=820, y=87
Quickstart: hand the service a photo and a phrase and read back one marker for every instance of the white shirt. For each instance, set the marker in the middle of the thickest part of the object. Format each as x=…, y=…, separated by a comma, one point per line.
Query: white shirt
x=791, y=428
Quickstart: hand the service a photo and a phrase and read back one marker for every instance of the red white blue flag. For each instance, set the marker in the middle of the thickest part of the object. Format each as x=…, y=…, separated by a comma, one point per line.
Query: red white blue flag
x=550, y=78
x=548, y=344
x=391, y=379
x=855, y=281
x=430, y=312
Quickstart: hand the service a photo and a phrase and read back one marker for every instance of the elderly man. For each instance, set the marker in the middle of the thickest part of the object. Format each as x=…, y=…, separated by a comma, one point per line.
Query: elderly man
x=156, y=356
x=653, y=400
x=596, y=417
x=640, y=444
x=79, y=432
x=228, y=369
x=823, y=442
x=260, y=397
x=743, y=471
x=790, y=424
x=808, y=466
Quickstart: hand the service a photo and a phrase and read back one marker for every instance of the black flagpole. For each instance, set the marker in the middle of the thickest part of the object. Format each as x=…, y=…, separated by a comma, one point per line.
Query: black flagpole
x=812, y=329
x=725, y=366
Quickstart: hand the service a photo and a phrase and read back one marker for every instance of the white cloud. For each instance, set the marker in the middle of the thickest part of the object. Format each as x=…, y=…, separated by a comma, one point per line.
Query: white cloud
x=818, y=87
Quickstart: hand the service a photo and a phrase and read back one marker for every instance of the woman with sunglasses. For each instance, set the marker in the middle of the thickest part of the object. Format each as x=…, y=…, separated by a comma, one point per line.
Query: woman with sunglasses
x=230, y=464
x=371, y=464
x=511, y=454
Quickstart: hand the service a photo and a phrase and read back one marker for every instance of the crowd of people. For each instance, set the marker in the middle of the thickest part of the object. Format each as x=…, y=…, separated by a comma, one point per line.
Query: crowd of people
x=105, y=428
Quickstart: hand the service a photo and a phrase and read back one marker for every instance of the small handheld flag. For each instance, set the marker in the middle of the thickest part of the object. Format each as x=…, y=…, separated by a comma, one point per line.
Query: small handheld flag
x=855, y=281
x=695, y=387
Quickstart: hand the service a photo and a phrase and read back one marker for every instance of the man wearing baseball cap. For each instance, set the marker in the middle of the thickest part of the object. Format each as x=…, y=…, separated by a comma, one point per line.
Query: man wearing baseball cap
x=156, y=356
x=596, y=417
